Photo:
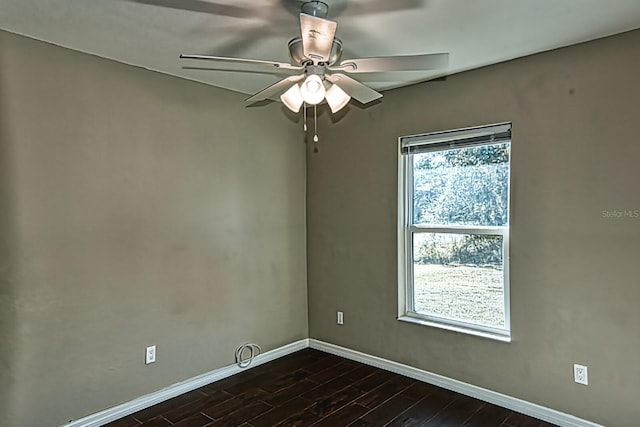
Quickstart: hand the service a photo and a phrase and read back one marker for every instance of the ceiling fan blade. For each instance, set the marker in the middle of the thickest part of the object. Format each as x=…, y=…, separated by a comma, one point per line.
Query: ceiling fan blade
x=317, y=37
x=201, y=6
x=275, y=89
x=371, y=7
x=354, y=88
x=243, y=61
x=430, y=61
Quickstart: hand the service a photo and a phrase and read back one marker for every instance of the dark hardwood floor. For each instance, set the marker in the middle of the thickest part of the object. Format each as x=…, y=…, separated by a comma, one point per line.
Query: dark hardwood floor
x=312, y=388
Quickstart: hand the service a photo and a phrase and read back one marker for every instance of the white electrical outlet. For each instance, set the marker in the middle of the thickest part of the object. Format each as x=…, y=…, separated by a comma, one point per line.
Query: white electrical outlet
x=580, y=374
x=150, y=355
x=340, y=318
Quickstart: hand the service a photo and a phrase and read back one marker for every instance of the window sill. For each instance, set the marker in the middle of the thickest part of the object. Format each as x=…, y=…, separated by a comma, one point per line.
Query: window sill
x=468, y=331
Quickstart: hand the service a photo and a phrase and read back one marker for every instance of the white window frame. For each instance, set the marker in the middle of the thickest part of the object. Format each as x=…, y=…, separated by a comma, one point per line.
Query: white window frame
x=440, y=141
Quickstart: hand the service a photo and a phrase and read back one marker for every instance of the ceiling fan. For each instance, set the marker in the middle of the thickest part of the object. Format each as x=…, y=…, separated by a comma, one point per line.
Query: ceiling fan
x=318, y=73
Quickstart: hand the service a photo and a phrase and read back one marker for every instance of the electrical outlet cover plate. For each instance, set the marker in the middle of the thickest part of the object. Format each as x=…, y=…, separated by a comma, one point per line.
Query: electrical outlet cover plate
x=580, y=374
x=150, y=355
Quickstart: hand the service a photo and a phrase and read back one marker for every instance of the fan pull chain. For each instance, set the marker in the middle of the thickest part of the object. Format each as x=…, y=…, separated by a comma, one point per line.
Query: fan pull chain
x=315, y=124
x=304, y=115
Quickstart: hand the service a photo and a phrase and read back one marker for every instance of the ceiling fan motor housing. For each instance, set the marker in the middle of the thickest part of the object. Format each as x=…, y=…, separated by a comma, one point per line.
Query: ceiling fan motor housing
x=297, y=54
x=315, y=8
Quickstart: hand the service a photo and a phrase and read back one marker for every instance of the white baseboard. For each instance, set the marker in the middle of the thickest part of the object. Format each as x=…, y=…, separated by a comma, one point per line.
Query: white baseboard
x=543, y=413
x=128, y=408
x=512, y=403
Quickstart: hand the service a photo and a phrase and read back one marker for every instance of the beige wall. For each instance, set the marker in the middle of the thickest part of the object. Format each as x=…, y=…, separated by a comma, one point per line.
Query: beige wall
x=136, y=209
x=575, y=276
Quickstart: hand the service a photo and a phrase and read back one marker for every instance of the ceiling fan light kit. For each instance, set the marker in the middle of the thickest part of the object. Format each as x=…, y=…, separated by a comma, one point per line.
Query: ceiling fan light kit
x=312, y=89
x=292, y=98
x=336, y=98
x=316, y=54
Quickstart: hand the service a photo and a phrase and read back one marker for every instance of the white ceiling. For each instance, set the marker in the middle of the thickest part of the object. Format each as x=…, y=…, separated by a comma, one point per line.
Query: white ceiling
x=152, y=33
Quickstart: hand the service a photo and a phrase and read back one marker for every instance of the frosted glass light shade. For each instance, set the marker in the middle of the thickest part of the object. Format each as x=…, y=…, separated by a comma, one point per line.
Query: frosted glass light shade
x=312, y=90
x=292, y=98
x=337, y=98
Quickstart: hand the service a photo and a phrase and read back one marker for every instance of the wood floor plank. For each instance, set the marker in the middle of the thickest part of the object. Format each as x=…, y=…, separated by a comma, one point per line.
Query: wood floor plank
x=372, y=381
x=326, y=406
x=281, y=396
x=126, y=422
x=419, y=390
x=157, y=422
x=488, y=415
x=167, y=405
x=241, y=378
x=197, y=420
x=300, y=419
x=281, y=382
x=243, y=387
x=520, y=420
x=222, y=409
x=333, y=372
x=361, y=372
x=185, y=411
x=455, y=414
x=387, y=390
x=281, y=413
x=327, y=389
x=324, y=362
x=388, y=410
x=361, y=423
x=243, y=415
x=425, y=409
x=343, y=417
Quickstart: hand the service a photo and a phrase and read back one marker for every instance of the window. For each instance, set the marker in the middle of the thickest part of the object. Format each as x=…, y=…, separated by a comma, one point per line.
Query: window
x=453, y=240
